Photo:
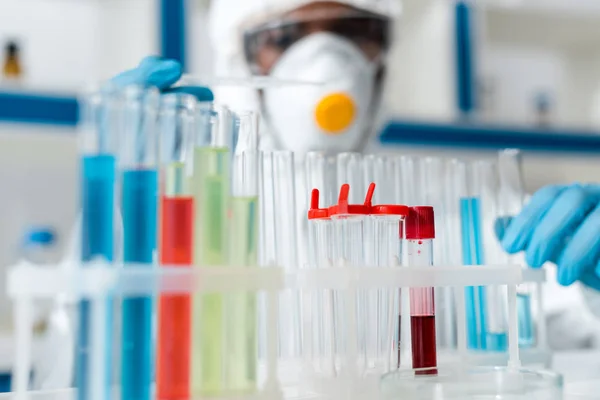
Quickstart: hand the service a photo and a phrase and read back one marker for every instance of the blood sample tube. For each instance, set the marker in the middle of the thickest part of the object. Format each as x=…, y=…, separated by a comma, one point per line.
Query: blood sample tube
x=319, y=330
x=175, y=245
x=383, y=342
x=420, y=232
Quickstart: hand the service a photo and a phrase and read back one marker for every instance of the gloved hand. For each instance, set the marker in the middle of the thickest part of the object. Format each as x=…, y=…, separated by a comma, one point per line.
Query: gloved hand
x=161, y=73
x=560, y=224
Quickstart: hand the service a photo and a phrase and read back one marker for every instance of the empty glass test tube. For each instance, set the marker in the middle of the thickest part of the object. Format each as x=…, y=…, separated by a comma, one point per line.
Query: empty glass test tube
x=405, y=180
x=319, y=324
x=432, y=185
x=485, y=184
x=99, y=131
x=511, y=198
x=279, y=239
x=350, y=170
x=420, y=232
x=175, y=244
x=139, y=197
x=350, y=306
x=383, y=305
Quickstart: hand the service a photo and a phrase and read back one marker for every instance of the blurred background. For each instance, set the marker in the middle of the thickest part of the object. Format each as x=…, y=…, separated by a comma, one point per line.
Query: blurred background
x=466, y=78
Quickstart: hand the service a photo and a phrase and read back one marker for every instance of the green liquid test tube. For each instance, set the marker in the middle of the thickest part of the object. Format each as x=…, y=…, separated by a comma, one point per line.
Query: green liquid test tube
x=241, y=307
x=210, y=186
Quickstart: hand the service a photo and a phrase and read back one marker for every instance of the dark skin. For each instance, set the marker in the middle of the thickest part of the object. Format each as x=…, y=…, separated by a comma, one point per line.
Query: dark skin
x=330, y=13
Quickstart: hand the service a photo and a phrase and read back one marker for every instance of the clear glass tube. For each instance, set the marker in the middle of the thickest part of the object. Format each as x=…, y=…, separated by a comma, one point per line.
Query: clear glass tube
x=512, y=194
x=378, y=169
x=320, y=172
x=405, y=173
x=210, y=183
x=433, y=190
x=350, y=171
x=279, y=241
x=485, y=189
x=419, y=245
x=383, y=350
x=319, y=327
x=139, y=191
x=348, y=251
x=320, y=176
x=98, y=134
x=175, y=244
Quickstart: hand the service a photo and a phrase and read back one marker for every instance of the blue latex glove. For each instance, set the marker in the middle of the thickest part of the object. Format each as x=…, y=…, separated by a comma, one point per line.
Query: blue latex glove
x=560, y=224
x=161, y=73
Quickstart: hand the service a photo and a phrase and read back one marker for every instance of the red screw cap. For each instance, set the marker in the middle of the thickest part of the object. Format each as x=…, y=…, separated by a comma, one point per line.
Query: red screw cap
x=420, y=223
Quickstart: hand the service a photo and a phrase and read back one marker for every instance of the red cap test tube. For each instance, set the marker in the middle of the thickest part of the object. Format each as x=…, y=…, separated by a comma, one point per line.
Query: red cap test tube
x=420, y=232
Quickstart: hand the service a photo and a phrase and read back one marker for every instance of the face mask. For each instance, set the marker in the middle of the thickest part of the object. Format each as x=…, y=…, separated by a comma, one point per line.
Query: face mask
x=334, y=116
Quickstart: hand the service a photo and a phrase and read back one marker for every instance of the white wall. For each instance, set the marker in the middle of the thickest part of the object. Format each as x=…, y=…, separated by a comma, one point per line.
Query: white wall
x=421, y=65
x=38, y=174
x=66, y=44
x=517, y=74
x=69, y=43
x=526, y=50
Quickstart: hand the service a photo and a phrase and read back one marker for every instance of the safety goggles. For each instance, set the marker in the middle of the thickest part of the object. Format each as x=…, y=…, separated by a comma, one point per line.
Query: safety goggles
x=264, y=44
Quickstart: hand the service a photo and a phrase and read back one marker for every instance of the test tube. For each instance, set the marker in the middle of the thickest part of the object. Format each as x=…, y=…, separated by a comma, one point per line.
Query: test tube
x=350, y=171
x=321, y=173
x=348, y=228
x=241, y=316
x=279, y=239
x=319, y=329
x=420, y=232
x=466, y=204
x=433, y=190
x=405, y=184
x=484, y=178
x=378, y=169
x=99, y=131
x=175, y=245
x=210, y=184
x=511, y=203
x=383, y=342
x=139, y=191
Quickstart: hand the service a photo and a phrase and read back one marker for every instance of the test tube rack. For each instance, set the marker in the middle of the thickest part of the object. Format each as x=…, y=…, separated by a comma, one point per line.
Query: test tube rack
x=28, y=283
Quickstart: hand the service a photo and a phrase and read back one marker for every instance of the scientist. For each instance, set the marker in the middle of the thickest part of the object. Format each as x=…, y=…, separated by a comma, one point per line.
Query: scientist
x=345, y=42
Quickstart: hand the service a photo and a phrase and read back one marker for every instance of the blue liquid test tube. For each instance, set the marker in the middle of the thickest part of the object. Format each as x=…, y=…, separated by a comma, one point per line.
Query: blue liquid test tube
x=98, y=165
x=468, y=207
x=139, y=191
